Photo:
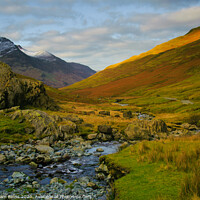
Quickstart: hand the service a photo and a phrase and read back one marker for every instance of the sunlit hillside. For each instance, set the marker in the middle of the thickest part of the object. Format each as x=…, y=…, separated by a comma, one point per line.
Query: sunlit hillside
x=166, y=64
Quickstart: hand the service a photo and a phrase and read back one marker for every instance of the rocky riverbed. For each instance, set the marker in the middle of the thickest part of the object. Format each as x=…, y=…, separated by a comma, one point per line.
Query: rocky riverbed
x=63, y=171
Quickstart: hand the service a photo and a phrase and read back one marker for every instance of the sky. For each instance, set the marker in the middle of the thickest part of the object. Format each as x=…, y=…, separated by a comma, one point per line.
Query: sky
x=97, y=33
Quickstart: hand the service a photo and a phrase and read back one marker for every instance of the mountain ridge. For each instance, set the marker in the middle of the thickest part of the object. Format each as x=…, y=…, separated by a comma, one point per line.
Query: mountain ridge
x=54, y=72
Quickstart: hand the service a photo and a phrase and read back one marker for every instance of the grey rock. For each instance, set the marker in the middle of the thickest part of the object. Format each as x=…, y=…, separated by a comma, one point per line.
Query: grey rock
x=18, y=177
x=105, y=129
x=16, y=91
x=22, y=159
x=92, y=136
x=99, y=150
x=44, y=149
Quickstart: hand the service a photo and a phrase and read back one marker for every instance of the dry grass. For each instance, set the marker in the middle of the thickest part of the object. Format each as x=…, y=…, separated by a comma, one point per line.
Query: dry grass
x=190, y=188
x=182, y=152
x=78, y=109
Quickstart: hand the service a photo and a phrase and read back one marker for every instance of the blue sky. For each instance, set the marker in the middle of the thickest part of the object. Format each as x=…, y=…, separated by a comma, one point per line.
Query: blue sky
x=96, y=33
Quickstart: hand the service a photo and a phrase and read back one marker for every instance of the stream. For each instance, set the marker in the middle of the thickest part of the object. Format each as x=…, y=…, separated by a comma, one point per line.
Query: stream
x=78, y=169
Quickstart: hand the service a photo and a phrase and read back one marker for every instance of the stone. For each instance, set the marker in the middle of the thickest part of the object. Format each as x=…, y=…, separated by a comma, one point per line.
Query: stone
x=100, y=176
x=44, y=149
x=104, y=137
x=99, y=150
x=83, y=181
x=2, y=158
x=102, y=168
x=66, y=156
x=92, y=136
x=68, y=128
x=74, y=119
x=33, y=164
x=40, y=159
x=54, y=180
x=105, y=129
x=18, y=177
x=22, y=159
x=92, y=185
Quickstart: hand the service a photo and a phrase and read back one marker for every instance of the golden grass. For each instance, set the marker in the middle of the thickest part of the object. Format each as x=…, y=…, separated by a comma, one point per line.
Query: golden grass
x=78, y=109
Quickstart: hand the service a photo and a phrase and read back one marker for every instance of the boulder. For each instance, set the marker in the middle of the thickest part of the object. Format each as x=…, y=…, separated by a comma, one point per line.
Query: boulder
x=74, y=119
x=33, y=164
x=68, y=128
x=19, y=177
x=104, y=137
x=145, y=129
x=105, y=129
x=92, y=136
x=2, y=158
x=44, y=149
x=43, y=124
x=16, y=91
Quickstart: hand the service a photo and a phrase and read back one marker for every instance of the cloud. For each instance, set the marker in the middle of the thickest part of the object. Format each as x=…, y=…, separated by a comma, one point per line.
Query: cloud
x=188, y=17
x=97, y=33
x=13, y=35
x=97, y=47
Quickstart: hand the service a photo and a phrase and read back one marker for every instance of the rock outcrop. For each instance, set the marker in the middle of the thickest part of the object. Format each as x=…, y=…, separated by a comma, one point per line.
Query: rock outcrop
x=16, y=91
x=45, y=126
x=145, y=129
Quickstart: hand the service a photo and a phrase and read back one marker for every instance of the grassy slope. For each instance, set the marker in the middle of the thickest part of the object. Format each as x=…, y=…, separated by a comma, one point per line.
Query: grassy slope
x=143, y=63
x=151, y=72
x=157, y=169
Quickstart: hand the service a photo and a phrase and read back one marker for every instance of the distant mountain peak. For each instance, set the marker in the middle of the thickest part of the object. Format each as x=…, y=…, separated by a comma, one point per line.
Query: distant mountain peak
x=6, y=46
x=44, y=55
x=42, y=65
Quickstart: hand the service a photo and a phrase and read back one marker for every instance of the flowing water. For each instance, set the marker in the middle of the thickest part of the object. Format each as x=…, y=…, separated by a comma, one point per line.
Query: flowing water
x=69, y=170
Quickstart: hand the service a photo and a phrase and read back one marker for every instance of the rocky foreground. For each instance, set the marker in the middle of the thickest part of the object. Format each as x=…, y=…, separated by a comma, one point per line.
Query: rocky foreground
x=54, y=172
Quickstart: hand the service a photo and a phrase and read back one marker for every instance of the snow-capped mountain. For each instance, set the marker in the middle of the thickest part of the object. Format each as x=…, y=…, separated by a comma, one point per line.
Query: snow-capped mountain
x=42, y=65
x=38, y=54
